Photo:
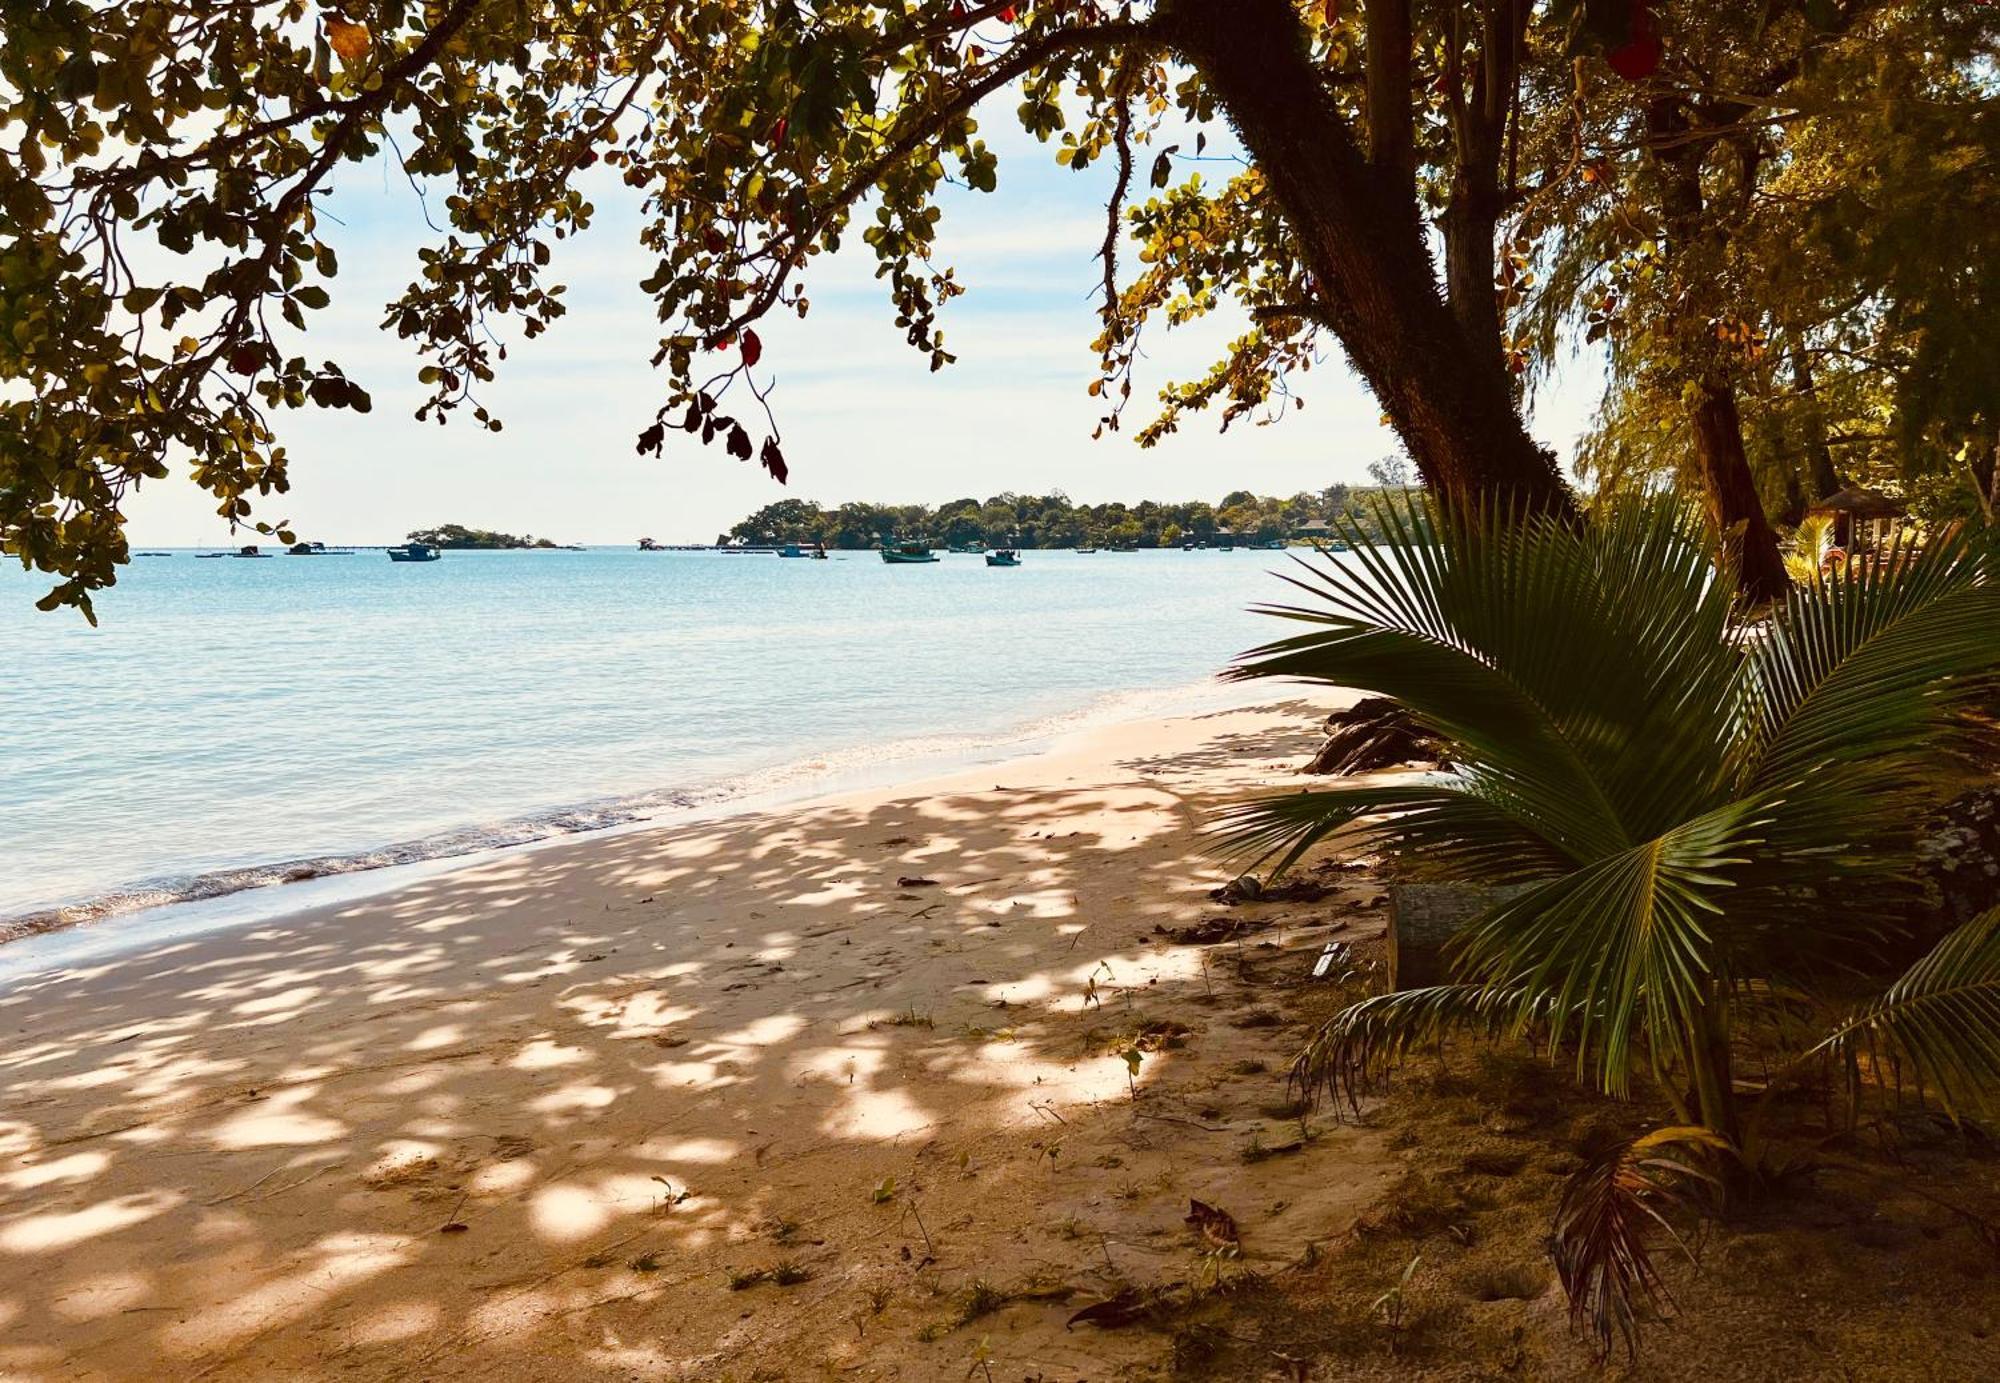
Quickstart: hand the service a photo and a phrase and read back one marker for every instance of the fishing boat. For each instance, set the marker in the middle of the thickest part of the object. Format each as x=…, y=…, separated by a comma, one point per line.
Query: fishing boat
x=1086, y=550
x=1003, y=557
x=905, y=554
x=968, y=549
x=414, y=552
x=791, y=550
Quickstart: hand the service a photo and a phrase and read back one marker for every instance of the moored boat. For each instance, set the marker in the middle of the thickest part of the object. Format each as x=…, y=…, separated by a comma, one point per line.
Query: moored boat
x=791, y=550
x=1004, y=557
x=906, y=554
x=414, y=552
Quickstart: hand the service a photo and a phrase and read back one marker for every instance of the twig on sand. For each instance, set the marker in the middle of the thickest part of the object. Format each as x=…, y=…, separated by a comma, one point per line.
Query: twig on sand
x=251, y=1187
x=930, y=1249
x=1171, y=1119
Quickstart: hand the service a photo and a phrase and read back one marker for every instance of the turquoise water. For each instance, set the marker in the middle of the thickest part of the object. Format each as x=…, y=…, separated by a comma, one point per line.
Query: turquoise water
x=237, y=722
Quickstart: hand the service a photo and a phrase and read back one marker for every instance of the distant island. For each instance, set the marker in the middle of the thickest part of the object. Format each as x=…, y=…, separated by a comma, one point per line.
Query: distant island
x=1055, y=521
x=453, y=537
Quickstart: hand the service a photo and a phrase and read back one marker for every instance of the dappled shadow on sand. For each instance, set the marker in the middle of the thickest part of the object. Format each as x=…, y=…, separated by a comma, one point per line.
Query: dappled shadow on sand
x=528, y=1119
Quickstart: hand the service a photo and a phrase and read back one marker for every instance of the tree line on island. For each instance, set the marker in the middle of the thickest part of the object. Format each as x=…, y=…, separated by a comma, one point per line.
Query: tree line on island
x=456, y=537
x=1056, y=521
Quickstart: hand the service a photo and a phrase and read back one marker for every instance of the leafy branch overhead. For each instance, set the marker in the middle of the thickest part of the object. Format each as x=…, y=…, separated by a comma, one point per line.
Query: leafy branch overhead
x=169, y=162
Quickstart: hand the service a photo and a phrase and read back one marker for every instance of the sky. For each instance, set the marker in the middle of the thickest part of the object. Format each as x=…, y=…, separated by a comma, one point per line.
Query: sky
x=862, y=415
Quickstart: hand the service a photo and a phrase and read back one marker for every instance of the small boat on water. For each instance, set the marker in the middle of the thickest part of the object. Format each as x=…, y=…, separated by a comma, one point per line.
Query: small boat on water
x=907, y=554
x=1004, y=557
x=791, y=550
x=1082, y=550
x=1275, y=545
x=414, y=552
x=152, y=554
x=967, y=549
x=250, y=550
x=819, y=551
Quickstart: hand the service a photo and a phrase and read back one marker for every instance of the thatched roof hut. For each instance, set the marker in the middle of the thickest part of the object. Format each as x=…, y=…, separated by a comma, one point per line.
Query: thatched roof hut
x=1861, y=518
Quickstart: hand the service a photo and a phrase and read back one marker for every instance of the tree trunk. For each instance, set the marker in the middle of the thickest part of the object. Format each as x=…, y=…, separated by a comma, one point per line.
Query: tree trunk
x=1733, y=504
x=1819, y=455
x=1478, y=118
x=1731, y=491
x=1374, y=282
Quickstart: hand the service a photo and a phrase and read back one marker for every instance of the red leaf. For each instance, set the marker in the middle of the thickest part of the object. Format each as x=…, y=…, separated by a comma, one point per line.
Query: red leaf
x=1007, y=15
x=1640, y=55
x=1639, y=58
x=753, y=349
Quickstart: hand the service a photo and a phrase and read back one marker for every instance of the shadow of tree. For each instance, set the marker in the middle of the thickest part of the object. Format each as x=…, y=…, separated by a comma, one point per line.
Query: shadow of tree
x=547, y=1108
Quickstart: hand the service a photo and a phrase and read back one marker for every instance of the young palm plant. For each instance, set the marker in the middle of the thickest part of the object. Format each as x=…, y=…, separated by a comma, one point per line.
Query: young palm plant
x=1709, y=816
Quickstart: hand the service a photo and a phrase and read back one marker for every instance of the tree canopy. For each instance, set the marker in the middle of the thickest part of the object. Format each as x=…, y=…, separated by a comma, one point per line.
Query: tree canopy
x=168, y=160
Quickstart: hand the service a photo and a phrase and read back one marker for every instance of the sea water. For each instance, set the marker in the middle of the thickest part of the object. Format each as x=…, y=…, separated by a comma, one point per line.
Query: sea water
x=235, y=722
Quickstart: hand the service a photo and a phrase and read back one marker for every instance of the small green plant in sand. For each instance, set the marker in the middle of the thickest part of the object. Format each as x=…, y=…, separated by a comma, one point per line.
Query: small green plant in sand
x=1393, y=1305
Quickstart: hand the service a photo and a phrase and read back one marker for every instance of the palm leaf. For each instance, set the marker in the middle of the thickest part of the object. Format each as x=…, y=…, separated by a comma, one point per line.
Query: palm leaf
x=1870, y=668
x=1942, y=1017
x=1585, y=678
x=1456, y=831
x=1351, y=1051
x=1632, y=943
x=1607, y=1211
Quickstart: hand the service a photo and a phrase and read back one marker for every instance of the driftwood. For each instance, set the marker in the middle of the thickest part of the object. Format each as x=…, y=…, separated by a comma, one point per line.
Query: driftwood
x=1374, y=733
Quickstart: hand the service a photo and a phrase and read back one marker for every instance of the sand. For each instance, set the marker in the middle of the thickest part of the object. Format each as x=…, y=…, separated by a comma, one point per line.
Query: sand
x=832, y=1091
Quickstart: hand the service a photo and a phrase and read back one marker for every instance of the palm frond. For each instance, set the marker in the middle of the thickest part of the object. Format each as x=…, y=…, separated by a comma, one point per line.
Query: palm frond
x=1942, y=1017
x=1607, y=1212
x=1875, y=666
x=1587, y=677
x=1348, y=1053
x=1454, y=829
x=1632, y=943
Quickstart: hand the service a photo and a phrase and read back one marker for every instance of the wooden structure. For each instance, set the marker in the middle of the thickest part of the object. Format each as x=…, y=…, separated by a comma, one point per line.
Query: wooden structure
x=1863, y=520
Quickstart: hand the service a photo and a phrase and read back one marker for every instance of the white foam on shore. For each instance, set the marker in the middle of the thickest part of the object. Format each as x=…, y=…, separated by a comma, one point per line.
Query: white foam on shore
x=172, y=907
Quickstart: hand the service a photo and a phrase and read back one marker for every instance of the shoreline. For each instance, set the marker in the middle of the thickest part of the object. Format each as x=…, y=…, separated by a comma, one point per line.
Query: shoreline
x=216, y=898
x=585, y=1109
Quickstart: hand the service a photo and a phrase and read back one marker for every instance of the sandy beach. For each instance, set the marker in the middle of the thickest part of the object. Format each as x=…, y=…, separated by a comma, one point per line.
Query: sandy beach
x=837, y=1090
